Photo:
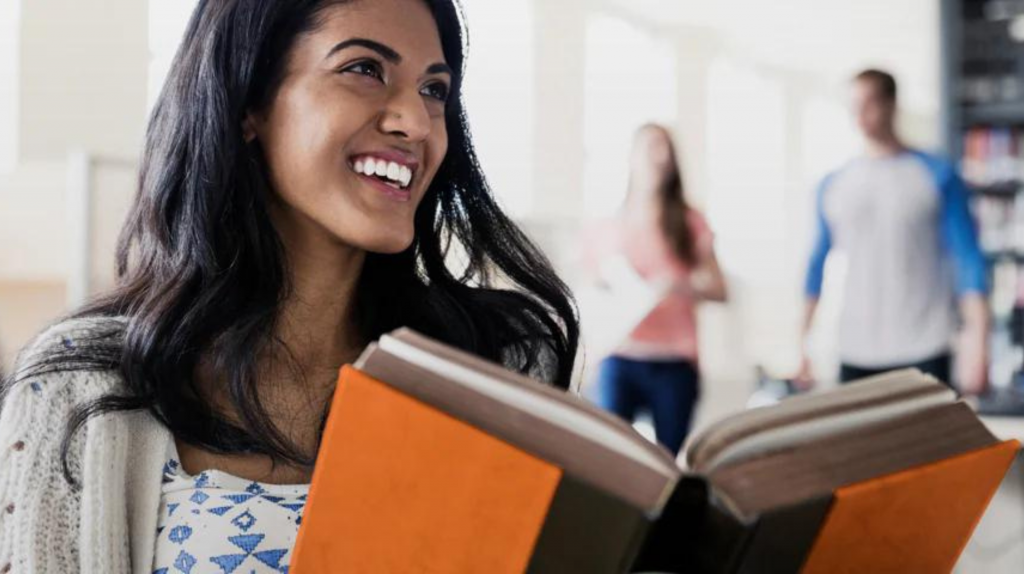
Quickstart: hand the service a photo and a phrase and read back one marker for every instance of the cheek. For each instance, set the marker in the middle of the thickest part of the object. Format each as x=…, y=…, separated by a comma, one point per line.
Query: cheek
x=294, y=144
x=437, y=149
x=305, y=150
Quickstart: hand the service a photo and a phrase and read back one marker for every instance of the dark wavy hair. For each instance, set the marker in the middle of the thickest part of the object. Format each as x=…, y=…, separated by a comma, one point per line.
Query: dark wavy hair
x=202, y=270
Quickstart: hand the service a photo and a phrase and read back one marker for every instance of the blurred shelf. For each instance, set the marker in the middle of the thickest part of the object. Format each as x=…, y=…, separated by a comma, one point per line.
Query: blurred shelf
x=1004, y=402
x=994, y=114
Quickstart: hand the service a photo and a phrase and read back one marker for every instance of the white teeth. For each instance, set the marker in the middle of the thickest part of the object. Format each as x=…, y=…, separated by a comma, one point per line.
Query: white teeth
x=397, y=173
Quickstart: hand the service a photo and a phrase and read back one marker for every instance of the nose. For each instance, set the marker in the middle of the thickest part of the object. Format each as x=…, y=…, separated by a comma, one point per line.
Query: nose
x=406, y=116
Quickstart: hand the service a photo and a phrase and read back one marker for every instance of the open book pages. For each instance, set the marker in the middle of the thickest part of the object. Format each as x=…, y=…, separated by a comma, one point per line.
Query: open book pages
x=805, y=448
x=815, y=470
x=813, y=417
x=587, y=442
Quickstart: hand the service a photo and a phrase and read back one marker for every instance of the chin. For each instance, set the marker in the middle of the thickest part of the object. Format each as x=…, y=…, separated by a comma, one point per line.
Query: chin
x=390, y=244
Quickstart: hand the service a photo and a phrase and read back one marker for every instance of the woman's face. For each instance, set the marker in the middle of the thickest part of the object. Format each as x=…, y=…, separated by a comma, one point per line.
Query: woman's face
x=356, y=132
x=651, y=162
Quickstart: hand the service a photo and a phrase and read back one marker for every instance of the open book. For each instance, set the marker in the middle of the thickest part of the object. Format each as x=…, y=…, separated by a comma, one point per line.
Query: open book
x=434, y=460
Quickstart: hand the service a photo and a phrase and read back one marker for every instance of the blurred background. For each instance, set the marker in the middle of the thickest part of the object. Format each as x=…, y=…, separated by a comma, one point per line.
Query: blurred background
x=755, y=92
x=756, y=96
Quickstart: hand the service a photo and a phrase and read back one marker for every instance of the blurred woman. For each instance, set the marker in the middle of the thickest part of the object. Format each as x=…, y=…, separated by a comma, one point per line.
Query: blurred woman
x=670, y=246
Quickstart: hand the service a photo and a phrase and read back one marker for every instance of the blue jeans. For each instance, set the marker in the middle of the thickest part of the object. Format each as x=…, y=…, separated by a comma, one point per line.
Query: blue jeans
x=667, y=389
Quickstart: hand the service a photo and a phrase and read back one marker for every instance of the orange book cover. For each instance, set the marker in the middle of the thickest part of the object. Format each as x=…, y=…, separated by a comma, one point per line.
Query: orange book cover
x=402, y=487
x=915, y=521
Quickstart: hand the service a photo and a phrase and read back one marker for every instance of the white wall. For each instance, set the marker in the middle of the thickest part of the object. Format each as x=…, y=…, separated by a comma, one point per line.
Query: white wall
x=629, y=80
x=499, y=91
x=33, y=239
x=80, y=70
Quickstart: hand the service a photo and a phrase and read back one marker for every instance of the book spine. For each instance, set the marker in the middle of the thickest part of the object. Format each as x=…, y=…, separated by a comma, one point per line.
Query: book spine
x=587, y=530
x=782, y=539
x=693, y=535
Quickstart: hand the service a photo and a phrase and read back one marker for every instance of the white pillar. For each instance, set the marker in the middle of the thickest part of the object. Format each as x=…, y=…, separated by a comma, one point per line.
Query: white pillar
x=79, y=228
x=560, y=52
x=10, y=25
x=696, y=49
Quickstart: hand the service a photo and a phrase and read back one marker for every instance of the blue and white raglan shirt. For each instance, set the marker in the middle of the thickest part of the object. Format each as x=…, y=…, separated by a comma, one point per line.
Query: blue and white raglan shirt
x=905, y=228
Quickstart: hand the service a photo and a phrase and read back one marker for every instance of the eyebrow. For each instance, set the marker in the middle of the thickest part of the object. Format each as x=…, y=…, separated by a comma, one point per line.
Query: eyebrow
x=440, y=68
x=386, y=52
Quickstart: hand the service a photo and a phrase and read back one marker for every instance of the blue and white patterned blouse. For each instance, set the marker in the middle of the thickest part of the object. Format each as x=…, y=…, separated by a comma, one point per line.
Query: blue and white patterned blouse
x=222, y=524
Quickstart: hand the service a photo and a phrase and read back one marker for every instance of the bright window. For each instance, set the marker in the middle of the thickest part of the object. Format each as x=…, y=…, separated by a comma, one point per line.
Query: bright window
x=630, y=76
x=167, y=22
x=499, y=97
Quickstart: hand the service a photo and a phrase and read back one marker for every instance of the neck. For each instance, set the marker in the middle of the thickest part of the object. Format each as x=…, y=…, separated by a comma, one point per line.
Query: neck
x=317, y=321
x=887, y=145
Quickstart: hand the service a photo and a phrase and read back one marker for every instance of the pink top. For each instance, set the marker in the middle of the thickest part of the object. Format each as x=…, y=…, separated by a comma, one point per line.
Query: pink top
x=669, y=331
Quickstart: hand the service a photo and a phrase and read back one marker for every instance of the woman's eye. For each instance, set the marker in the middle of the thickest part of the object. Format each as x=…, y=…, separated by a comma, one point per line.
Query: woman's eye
x=366, y=68
x=438, y=91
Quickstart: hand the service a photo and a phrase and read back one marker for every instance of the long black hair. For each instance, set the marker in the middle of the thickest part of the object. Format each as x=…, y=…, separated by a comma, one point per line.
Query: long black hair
x=202, y=271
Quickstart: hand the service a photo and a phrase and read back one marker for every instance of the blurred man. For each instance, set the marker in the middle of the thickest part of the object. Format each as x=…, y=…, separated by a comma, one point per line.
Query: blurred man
x=901, y=218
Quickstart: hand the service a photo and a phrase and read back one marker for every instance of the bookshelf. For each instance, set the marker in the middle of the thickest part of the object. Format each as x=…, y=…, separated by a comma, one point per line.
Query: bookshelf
x=982, y=46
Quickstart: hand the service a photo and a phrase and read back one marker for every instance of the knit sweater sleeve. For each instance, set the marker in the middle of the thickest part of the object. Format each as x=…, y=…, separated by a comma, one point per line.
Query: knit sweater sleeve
x=39, y=510
x=41, y=513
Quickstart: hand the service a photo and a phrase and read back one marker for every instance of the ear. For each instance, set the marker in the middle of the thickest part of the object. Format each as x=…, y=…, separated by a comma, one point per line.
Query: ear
x=249, y=127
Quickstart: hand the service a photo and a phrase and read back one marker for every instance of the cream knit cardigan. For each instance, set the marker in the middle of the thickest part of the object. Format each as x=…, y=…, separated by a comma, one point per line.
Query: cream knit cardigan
x=46, y=526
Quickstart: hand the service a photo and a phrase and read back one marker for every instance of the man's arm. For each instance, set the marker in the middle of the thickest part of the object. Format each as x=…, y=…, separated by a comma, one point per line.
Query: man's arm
x=805, y=377
x=961, y=240
x=812, y=284
x=972, y=361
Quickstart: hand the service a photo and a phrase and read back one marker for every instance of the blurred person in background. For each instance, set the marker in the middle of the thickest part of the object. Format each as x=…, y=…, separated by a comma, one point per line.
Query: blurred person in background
x=669, y=245
x=901, y=218
x=306, y=168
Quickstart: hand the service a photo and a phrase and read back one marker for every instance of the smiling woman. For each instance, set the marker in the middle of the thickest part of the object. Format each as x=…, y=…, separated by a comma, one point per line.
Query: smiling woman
x=307, y=168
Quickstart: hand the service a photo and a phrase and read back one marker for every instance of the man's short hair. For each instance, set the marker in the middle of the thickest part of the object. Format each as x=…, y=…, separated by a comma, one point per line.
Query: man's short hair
x=883, y=81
